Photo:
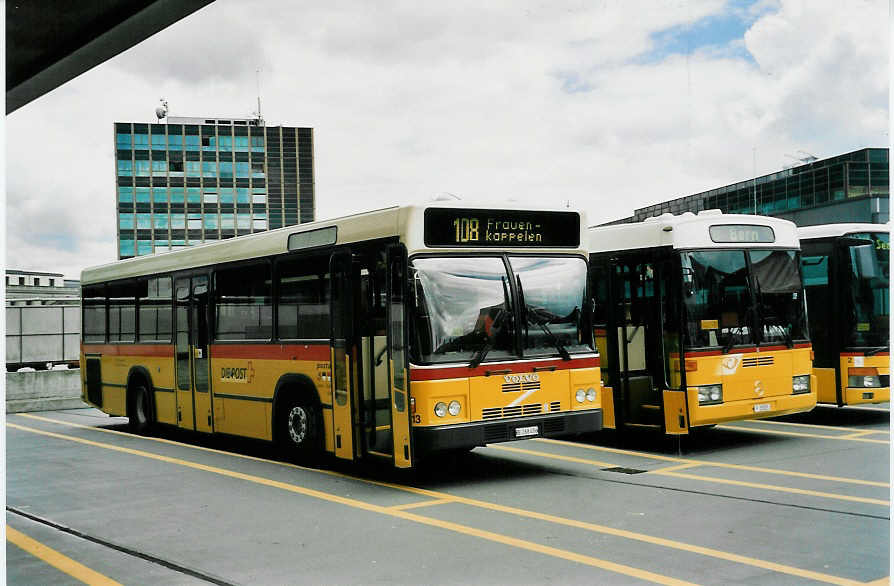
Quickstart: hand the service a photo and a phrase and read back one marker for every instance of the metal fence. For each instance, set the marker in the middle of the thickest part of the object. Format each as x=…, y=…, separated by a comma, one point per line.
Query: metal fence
x=41, y=334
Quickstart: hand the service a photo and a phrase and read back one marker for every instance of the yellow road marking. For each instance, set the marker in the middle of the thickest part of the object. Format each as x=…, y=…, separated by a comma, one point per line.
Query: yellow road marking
x=860, y=434
x=802, y=434
x=879, y=582
x=59, y=561
x=641, y=537
x=817, y=426
x=553, y=456
x=828, y=495
x=675, y=468
x=670, y=472
x=421, y=504
x=455, y=527
x=660, y=457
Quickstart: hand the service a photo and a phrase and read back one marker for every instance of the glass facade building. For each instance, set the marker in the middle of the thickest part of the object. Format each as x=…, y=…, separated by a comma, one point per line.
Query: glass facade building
x=192, y=180
x=853, y=187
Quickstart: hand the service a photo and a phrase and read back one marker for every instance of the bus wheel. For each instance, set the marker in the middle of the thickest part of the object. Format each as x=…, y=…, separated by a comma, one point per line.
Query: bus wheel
x=140, y=411
x=299, y=430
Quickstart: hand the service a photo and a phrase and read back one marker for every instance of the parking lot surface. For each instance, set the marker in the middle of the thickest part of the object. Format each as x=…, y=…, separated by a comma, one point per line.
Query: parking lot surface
x=798, y=500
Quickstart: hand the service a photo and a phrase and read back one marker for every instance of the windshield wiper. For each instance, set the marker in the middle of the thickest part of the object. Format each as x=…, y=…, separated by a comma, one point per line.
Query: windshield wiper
x=540, y=320
x=496, y=327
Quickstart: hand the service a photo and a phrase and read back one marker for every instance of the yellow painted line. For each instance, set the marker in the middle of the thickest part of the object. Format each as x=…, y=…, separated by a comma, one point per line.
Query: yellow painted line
x=59, y=561
x=421, y=504
x=774, y=487
x=603, y=529
x=675, y=468
x=802, y=434
x=447, y=525
x=669, y=472
x=552, y=456
x=879, y=582
x=710, y=463
x=817, y=426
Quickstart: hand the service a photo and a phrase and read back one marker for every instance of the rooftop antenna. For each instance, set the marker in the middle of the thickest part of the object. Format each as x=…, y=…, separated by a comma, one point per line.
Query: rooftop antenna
x=162, y=111
x=258, y=83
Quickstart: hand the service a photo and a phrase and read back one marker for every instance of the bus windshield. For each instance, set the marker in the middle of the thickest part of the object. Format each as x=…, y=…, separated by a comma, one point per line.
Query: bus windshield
x=738, y=297
x=465, y=310
x=868, y=303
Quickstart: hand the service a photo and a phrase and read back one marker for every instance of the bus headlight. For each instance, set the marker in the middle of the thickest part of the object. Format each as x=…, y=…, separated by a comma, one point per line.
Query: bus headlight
x=454, y=408
x=580, y=395
x=800, y=384
x=710, y=394
x=591, y=394
x=441, y=409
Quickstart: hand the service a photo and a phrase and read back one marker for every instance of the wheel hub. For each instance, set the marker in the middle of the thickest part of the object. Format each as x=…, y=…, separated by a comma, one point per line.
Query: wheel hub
x=297, y=424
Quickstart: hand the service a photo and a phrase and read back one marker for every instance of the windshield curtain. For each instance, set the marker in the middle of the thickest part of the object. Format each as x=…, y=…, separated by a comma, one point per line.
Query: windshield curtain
x=725, y=307
x=465, y=307
x=868, y=305
x=781, y=308
x=462, y=304
x=552, y=293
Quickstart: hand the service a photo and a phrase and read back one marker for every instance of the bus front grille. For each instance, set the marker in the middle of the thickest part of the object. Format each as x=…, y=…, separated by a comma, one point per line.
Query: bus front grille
x=758, y=361
x=523, y=386
x=516, y=410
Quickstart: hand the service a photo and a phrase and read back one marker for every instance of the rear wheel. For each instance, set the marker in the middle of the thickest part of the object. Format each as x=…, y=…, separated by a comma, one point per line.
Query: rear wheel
x=299, y=430
x=140, y=410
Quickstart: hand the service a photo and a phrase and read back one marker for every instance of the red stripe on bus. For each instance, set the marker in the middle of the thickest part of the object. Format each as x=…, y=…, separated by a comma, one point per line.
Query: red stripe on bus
x=318, y=352
x=864, y=354
x=775, y=348
x=156, y=350
x=424, y=374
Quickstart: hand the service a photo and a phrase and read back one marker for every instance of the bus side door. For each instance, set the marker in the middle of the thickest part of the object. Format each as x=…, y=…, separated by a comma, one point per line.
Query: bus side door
x=343, y=352
x=191, y=349
x=397, y=356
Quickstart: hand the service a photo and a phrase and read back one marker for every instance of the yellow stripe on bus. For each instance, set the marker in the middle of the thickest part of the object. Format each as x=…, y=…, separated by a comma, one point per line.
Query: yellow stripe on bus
x=59, y=561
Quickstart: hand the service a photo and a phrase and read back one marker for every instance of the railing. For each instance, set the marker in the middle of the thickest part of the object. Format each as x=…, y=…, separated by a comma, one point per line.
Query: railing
x=41, y=335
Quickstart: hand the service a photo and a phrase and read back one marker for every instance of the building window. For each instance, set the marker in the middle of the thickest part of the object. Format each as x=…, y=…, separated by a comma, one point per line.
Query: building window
x=125, y=168
x=52, y=282
x=161, y=222
x=144, y=247
x=226, y=195
x=37, y=281
x=257, y=170
x=192, y=142
x=193, y=169
x=140, y=141
x=158, y=142
x=125, y=248
x=125, y=221
x=141, y=168
x=160, y=194
x=125, y=194
x=210, y=195
x=175, y=142
x=225, y=143
x=243, y=221
x=226, y=170
x=241, y=144
x=257, y=144
x=208, y=143
x=123, y=141
x=193, y=195
x=144, y=221
x=195, y=222
x=178, y=222
x=142, y=194
x=21, y=280
x=242, y=195
x=209, y=169
x=176, y=195
x=242, y=169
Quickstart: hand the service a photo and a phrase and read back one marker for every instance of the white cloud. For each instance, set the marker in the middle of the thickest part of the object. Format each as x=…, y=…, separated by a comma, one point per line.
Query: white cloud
x=542, y=102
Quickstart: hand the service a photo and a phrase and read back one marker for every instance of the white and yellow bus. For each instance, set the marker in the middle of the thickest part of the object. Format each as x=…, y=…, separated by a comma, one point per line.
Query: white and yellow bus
x=847, y=274
x=700, y=319
x=389, y=334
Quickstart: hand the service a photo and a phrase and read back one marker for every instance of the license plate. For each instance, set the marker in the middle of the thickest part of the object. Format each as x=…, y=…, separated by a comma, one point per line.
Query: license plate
x=761, y=407
x=526, y=431
x=868, y=395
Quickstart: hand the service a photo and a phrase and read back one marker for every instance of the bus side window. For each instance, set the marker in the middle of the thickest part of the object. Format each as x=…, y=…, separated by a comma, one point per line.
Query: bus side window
x=303, y=303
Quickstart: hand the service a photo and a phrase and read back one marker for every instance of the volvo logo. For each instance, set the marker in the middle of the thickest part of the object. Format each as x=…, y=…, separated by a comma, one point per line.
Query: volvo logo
x=758, y=389
x=521, y=378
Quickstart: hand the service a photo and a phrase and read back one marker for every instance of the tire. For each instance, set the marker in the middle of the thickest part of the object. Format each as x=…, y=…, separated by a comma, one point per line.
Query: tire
x=139, y=411
x=299, y=430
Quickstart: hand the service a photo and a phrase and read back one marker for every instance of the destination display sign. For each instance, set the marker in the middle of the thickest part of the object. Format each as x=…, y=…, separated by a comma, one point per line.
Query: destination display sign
x=742, y=234
x=499, y=228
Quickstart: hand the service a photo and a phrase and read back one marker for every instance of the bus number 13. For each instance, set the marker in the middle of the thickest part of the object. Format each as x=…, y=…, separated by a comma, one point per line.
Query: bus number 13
x=466, y=229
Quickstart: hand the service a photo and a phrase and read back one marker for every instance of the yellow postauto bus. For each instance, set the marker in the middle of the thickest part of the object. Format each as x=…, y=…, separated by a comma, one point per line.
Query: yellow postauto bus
x=384, y=335
x=700, y=319
x=847, y=273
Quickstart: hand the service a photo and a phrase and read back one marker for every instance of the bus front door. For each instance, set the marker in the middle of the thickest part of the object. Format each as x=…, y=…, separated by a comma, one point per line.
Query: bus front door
x=191, y=347
x=343, y=351
x=397, y=356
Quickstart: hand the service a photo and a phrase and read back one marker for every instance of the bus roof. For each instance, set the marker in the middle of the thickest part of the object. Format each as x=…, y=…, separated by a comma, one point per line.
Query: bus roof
x=688, y=231
x=834, y=230
x=404, y=221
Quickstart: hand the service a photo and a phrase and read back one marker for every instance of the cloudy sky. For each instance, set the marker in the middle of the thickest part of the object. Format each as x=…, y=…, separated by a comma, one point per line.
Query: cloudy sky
x=608, y=104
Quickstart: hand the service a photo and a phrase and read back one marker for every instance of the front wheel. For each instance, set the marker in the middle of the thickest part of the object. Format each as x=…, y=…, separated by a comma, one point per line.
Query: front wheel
x=299, y=430
x=140, y=411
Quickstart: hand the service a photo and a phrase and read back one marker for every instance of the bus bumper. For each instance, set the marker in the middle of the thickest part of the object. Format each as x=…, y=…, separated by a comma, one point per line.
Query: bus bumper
x=751, y=409
x=856, y=396
x=479, y=433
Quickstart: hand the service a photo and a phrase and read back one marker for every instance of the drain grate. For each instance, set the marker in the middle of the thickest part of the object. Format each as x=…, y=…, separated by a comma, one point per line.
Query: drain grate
x=623, y=470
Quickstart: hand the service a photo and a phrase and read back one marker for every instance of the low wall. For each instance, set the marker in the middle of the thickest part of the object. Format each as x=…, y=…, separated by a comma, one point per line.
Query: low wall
x=43, y=390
